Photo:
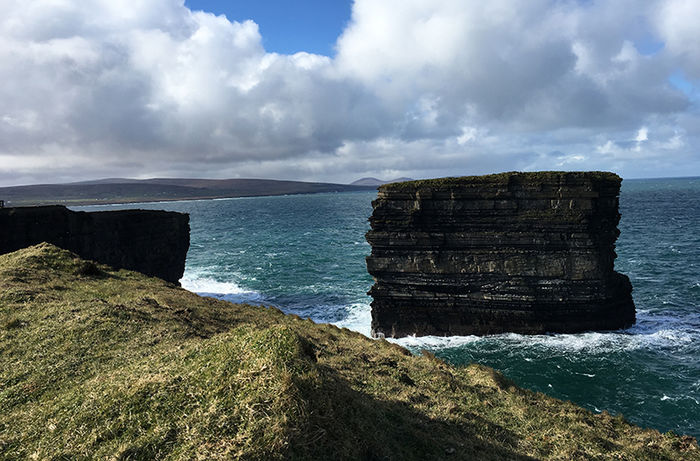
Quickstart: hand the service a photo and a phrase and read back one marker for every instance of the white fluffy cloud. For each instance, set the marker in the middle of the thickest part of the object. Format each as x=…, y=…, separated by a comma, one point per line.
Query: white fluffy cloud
x=417, y=88
x=678, y=27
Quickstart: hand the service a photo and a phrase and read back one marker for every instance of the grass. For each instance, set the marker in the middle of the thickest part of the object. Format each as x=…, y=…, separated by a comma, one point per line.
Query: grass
x=103, y=364
x=501, y=179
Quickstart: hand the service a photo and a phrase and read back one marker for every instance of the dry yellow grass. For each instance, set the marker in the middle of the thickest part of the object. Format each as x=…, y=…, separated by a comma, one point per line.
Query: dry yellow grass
x=102, y=364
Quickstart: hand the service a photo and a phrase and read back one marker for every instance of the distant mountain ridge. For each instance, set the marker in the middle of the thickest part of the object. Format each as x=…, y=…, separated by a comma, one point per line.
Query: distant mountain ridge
x=124, y=190
x=370, y=181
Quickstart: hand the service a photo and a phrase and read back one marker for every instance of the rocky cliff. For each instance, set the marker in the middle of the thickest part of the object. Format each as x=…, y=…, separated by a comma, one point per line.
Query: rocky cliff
x=148, y=241
x=513, y=252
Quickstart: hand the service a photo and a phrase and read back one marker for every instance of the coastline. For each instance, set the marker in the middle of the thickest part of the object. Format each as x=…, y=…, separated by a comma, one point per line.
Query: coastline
x=313, y=264
x=198, y=199
x=150, y=191
x=113, y=362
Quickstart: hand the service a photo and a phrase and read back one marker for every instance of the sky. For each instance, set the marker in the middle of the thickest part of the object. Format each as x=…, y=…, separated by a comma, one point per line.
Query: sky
x=338, y=90
x=285, y=26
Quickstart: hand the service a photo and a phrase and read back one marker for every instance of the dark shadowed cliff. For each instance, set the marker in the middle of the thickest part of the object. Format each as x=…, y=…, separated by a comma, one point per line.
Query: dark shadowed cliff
x=148, y=241
x=518, y=252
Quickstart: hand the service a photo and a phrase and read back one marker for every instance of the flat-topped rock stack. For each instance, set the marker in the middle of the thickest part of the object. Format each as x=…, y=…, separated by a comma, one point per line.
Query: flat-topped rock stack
x=513, y=252
x=153, y=242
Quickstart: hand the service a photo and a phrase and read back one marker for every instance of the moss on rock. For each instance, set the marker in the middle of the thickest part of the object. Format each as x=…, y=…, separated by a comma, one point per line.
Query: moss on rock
x=500, y=179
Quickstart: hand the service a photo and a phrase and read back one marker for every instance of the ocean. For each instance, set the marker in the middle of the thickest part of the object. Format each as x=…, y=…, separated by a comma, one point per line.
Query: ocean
x=306, y=255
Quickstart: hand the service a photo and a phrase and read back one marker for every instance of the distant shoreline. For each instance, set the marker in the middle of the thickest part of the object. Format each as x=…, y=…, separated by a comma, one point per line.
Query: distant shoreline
x=107, y=192
x=196, y=199
x=178, y=189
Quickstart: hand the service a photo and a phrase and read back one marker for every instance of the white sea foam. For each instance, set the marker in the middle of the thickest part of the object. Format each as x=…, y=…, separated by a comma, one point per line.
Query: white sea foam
x=359, y=319
x=651, y=332
x=598, y=342
x=228, y=290
x=682, y=397
x=652, y=336
x=435, y=342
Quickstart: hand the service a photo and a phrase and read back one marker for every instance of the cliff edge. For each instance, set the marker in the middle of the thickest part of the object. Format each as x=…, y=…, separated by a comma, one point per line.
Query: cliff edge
x=122, y=366
x=512, y=252
x=152, y=242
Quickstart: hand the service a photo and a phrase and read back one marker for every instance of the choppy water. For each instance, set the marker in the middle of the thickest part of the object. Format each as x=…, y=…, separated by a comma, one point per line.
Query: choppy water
x=306, y=253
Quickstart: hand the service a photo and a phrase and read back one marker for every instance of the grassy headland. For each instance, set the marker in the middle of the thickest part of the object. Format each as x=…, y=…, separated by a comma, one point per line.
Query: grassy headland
x=102, y=364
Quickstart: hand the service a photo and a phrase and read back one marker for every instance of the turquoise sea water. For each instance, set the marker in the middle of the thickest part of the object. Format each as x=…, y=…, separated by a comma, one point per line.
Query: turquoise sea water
x=305, y=254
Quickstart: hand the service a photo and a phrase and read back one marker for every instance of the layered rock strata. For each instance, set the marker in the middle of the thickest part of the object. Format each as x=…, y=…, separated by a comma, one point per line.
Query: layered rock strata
x=514, y=252
x=149, y=241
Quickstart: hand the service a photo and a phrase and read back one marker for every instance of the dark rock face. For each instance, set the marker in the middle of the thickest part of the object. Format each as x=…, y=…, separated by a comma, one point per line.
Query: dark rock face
x=515, y=252
x=152, y=242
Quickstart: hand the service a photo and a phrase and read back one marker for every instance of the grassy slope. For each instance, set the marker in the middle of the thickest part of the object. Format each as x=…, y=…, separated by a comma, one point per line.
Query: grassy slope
x=102, y=364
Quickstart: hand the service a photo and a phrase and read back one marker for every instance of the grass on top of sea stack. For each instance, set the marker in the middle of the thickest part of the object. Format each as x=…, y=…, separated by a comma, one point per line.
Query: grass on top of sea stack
x=501, y=179
x=97, y=363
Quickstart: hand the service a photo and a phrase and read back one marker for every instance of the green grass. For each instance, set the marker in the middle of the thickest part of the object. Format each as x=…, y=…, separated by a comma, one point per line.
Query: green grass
x=103, y=364
x=500, y=179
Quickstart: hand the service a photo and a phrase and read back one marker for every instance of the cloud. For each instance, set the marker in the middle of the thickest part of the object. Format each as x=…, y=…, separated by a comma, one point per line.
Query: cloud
x=677, y=27
x=642, y=134
x=417, y=88
x=542, y=67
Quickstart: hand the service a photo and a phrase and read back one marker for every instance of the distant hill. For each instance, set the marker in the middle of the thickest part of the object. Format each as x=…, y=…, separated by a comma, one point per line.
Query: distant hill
x=123, y=190
x=376, y=182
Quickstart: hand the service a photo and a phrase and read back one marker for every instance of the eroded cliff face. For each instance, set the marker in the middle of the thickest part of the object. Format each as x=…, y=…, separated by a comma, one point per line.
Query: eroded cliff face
x=148, y=241
x=513, y=252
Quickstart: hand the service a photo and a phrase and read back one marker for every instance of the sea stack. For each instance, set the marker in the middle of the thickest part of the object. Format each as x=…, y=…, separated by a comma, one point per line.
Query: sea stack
x=528, y=253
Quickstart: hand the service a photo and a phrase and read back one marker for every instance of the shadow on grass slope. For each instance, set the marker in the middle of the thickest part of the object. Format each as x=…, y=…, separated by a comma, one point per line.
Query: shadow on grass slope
x=96, y=363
